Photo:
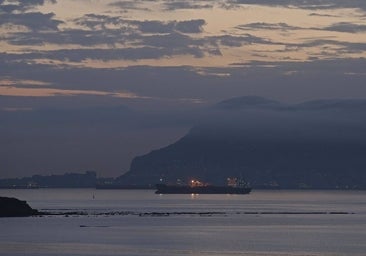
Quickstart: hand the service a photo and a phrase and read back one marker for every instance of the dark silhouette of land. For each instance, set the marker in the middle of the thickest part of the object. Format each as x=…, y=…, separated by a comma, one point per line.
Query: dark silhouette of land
x=313, y=145
x=67, y=180
x=12, y=207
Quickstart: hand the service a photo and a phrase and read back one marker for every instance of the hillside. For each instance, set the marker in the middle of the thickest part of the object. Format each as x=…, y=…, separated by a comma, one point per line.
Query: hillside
x=318, y=144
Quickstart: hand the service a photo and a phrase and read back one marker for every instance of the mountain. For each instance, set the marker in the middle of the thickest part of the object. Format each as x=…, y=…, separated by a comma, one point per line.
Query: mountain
x=317, y=144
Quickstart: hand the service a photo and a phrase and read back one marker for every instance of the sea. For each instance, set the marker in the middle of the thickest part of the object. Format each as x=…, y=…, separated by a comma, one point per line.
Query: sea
x=142, y=223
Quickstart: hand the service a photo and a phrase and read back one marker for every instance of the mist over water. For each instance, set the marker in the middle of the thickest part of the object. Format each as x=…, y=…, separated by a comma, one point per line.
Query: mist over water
x=261, y=223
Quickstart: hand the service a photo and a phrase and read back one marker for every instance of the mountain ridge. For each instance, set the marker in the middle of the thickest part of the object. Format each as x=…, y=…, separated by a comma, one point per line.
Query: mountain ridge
x=270, y=147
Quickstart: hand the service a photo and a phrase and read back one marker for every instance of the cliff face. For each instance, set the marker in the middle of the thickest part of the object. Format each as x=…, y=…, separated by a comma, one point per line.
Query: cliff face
x=318, y=144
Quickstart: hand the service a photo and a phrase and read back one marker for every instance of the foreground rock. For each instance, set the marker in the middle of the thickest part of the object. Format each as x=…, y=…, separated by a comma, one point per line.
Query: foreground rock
x=12, y=207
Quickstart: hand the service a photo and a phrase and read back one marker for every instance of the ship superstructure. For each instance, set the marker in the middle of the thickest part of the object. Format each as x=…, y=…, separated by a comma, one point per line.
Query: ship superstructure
x=234, y=186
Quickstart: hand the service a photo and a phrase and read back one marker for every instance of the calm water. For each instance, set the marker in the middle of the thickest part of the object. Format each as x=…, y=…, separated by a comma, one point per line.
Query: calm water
x=262, y=223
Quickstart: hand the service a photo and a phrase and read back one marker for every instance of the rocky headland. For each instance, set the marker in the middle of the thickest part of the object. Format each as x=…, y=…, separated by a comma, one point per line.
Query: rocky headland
x=13, y=207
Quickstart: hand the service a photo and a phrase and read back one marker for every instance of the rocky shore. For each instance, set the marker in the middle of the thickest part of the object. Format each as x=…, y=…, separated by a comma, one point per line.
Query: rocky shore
x=13, y=207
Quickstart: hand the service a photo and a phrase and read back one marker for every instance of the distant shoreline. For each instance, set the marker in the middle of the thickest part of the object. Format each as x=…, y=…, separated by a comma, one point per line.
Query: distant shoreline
x=153, y=188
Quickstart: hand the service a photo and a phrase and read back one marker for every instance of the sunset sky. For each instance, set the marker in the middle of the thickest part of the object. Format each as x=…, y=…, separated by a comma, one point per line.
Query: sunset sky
x=68, y=68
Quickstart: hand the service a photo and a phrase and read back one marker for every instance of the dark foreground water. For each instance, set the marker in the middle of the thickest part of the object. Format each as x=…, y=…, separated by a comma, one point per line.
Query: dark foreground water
x=127, y=222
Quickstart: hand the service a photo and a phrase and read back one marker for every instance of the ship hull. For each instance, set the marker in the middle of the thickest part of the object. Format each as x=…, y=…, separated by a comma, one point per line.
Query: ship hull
x=166, y=189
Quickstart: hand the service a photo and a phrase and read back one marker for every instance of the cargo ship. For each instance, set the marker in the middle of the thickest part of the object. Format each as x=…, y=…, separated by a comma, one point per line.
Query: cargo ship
x=234, y=186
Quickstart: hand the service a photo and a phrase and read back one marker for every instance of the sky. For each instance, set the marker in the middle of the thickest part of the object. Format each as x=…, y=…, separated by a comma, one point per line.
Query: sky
x=90, y=84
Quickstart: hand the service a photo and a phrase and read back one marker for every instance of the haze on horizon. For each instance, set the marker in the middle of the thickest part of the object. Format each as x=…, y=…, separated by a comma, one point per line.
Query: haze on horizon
x=90, y=84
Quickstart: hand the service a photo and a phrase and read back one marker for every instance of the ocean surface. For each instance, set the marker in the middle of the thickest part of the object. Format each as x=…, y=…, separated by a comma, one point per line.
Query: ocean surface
x=139, y=222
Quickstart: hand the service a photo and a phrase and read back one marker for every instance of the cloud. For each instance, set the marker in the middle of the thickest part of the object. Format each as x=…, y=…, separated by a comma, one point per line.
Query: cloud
x=21, y=5
x=8, y=81
x=34, y=21
x=111, y=35
x=334, y=47
x=99, y=21
x=167, y=5
x=338, y=27
x=188, y=26
x=237, y=41
x=176, y=5
x=80, y=37
x=17, y=13
x=105, y=37
x=267, y=26
x=305, y=4
x=99, y=30
x=48, y=92
x=322, y=15
x=130, y=5
x=346, y=27
x=161, y=50
x=172, y=41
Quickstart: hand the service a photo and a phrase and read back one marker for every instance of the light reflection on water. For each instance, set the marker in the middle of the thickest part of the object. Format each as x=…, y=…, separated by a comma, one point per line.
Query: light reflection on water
x=231, y=233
